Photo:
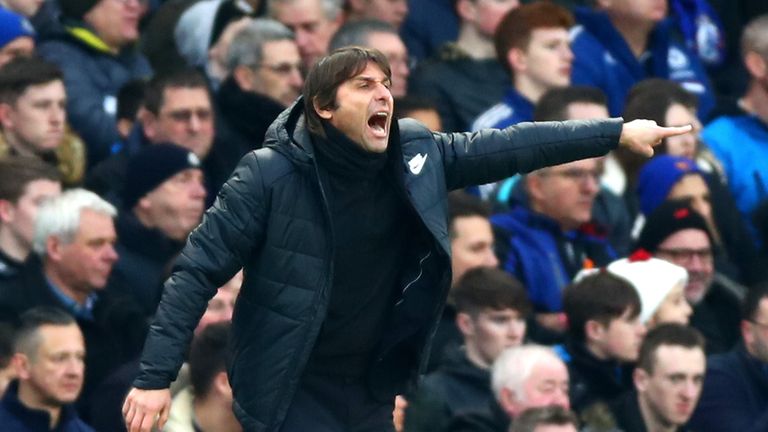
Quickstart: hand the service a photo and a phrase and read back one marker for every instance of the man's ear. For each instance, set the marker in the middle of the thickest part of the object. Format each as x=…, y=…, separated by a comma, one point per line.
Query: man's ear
x=53, y=248
x=465, y=324
x=21, y=365
x=221, y=384
x=533, y=186
x=324, y=113
x=148, y=122
x=6, y=211
x=508, y=401
x=243, y=76
x=640, y=377
x=594, y=330
x=465, y=9
x=6, y=119
x=516, y=59
x=755, y=64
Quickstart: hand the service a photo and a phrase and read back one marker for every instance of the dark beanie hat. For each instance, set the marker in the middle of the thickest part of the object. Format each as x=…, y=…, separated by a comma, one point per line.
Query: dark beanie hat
x=658, y=176
x=668, y=218
x=75, y=9
x=151, y=166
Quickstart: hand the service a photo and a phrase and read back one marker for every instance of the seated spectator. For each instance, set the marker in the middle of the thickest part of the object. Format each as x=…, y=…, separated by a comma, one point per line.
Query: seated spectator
x=667, y=380
x=25, y=182
x=544, y=242
x=735, y=396
x=97, y=56
x=73, y=243
x=618, y=43
x=465, y=78
x=738, y=137
x=313, y=23
x=491, y=309
x=49, y=354
x=177, y=109
x=471, y=247
x=17, y=37
x=33, y=117
x=163, y=200
x=604, y=337
x=551, y=418
x=532, y=43
x=660, y=285
x=677, y=233
x=419, y=109
x=672, y=177
x=207, y=404
x=383, y=37
x=392, y=12
x=523, y=377
x=263, y=77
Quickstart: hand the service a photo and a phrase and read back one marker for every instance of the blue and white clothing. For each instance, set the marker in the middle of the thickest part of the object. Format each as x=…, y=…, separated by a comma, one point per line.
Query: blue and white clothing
x=603, y=59
x=513, y=109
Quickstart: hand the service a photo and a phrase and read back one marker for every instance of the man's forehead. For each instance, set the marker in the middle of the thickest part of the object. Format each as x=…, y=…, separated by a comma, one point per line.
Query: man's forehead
x=671, y=359
x=176, y=96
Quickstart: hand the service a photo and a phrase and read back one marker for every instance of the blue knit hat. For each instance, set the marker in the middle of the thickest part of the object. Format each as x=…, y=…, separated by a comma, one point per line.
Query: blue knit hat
x=13, y=26
x=151, y=166
x=658, y=176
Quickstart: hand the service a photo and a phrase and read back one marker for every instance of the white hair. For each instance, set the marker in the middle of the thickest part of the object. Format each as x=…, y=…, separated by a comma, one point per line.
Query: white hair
x=331, y=8
x=513, y=367
x=60, y=216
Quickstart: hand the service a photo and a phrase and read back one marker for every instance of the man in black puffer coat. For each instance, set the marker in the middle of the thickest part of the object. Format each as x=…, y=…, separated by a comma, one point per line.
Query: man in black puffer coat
x=340, y=223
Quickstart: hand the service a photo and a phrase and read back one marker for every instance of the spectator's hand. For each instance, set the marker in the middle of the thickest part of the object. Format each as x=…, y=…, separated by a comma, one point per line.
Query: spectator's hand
x=641, y=135
x=143, y=407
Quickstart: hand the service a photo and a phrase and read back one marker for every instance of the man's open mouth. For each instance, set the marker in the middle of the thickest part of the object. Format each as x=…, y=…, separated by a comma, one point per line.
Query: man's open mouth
x=378, y=122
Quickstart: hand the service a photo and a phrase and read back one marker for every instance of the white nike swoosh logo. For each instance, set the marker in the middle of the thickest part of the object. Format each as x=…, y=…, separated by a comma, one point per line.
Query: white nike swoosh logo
x=417, y=163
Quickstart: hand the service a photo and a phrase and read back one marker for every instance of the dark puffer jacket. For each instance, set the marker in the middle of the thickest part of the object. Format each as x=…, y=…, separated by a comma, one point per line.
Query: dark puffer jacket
x=272, y=218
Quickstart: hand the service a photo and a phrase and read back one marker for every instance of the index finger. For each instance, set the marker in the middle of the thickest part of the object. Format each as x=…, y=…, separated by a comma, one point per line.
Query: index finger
x=669, y=131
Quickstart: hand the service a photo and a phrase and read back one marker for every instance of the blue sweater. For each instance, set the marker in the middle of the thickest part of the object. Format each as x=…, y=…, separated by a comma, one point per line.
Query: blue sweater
x=16, y=417
x=603, y=59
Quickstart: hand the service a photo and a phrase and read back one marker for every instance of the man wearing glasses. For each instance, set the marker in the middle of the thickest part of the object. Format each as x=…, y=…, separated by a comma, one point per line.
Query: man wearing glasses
x=677, y=233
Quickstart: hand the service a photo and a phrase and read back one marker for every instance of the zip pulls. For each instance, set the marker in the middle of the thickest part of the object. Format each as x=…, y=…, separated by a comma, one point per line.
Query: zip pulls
x=421, y=272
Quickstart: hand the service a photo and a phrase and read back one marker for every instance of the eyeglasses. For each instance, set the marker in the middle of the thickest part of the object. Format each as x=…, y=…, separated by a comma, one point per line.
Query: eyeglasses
x=576, y=174
x=686, y=254
x=284, y=68
x=185, y=115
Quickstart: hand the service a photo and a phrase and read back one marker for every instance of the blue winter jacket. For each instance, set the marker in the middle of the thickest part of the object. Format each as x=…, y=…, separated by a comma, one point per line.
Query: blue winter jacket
x=604, y=60
x=16, y=417
x=513, y=109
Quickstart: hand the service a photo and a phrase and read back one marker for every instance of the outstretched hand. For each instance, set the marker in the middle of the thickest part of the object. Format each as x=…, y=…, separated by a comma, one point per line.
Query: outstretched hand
x=143, y=407
x=641, y=135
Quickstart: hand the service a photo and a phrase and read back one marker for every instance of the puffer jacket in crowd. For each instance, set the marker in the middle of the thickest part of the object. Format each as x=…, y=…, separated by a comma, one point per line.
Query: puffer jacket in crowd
x=272, y=219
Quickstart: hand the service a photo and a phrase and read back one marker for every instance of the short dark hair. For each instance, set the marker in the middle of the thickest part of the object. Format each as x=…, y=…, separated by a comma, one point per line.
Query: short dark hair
x=553, y=105
x=556, y=415
x=515, y=29
x=16, y=172
x=332, y=71
x=6, y=344
x=486, y=287
x=208, y=355
x=23, y=72
x=405, y=105
x=462, y=204
x=752, y=301
x=27, y=338
x=357, y=33
x=130, y=97
x=667, y=334
x=154, y=93
x=601, y=297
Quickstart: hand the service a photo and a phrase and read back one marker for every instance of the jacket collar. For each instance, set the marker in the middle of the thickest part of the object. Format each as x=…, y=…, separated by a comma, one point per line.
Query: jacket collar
x=33, y=418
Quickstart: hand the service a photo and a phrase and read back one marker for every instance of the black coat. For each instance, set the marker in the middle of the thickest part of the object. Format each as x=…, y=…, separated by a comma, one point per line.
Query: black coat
x=593, y=380
x=272, y=218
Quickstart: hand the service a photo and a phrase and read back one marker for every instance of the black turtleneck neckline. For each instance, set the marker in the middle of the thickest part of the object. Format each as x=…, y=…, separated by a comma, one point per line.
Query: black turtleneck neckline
x=341, y=156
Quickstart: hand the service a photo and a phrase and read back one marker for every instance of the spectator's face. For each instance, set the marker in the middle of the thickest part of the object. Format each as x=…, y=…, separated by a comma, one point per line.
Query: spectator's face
x=546, y=385
x=621, y=339
x=394, y=50
x=311, y=26
x=36, y=121
x=755, y=332
x=116, y=21
x=471, y=246
x=222, y=305
x=566, y=192
x=687, y=144
x=640, y=11
x=490, y=331
x=485, y=15
x=672, y=390
x=24, y=7
x=176, y=205
x=279, y=74
x=674, y=308
x=586, y=111
x=86, y=262
x=185, y=118
x=546, y=62
x=392, y=12
x=364, y=109
x=690, y=248
x=19, y=218
x=53, y=376
x=20, y=47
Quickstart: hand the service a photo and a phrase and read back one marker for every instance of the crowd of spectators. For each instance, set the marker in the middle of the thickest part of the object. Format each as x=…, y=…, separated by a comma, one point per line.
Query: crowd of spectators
x=617, y=293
